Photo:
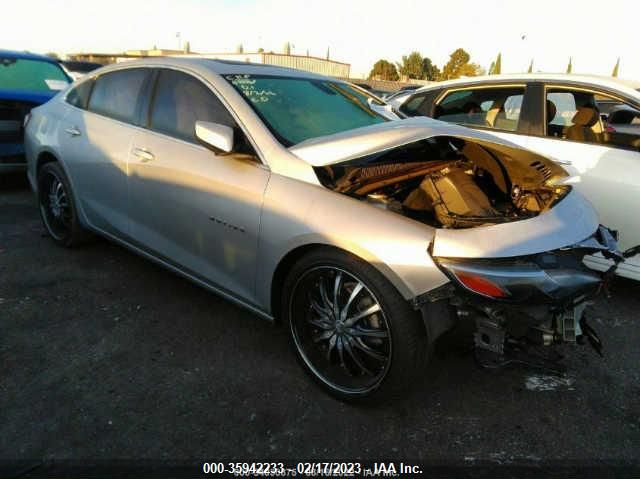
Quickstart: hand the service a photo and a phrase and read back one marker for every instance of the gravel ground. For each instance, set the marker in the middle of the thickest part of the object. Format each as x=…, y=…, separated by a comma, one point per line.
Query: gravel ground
x=104, y=355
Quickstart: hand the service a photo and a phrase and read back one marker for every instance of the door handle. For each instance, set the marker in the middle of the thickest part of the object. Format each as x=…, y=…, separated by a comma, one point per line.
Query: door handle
x=73, y=131
x=144, y=154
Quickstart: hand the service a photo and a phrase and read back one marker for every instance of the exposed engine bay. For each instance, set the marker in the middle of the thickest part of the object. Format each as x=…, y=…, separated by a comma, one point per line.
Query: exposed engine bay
x=450, y=182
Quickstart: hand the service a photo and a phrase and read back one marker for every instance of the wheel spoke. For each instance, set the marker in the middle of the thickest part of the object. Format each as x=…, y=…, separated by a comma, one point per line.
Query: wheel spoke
x=340, y=348
x=356, y=290
x=356, y=359
x=359, y=344
x=370, y=333
x=321, y=324
x=322, y=312
x=332, y=343
x=322, y=336
x=324, y=296
x=374, y=308
x=336, y=294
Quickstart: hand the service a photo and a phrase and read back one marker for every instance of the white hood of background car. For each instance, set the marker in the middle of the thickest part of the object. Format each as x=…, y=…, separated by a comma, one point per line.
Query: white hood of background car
x=350, y=144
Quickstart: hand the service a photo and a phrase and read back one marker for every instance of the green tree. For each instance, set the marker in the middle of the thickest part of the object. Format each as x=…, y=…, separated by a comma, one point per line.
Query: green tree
x=497, y=67
x=492, y=67
x=429, y=70
x=456, y=60
x=530, y=70
x=412, y=66
x=384, y=70
x=459, y=65
x=240, y=48
x=569, y=66
x=614, y=73
x=52, y=55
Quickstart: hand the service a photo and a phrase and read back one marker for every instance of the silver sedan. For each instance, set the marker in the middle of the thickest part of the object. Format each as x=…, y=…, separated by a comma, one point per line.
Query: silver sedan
x=296, y=196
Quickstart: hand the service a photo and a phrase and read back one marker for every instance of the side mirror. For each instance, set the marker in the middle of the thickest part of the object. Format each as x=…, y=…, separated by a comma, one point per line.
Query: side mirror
x=214, y=135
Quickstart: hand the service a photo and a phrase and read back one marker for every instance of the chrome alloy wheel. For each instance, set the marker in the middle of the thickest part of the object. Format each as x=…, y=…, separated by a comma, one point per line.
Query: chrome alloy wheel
x=340, y=329
x=54, y=205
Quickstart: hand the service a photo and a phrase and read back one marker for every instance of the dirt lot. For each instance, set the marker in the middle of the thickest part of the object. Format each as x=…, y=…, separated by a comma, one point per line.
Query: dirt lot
x=104, y=355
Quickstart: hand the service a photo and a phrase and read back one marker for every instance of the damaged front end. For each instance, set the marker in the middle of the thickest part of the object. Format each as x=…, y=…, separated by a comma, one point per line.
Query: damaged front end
x=508, y=233
x=525, y=301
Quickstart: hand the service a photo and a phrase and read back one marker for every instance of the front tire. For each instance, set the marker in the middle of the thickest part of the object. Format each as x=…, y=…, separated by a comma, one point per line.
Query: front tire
x=351, y=329
x=58, y=208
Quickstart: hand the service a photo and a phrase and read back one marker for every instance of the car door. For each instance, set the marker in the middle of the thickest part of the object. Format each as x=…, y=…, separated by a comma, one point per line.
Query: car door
x=606, y=165
x=96, y=137
x=196, y=209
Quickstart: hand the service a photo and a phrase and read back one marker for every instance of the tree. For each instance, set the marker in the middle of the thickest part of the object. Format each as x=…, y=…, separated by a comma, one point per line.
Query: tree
x=384, y=70
x=429, y=70
x=569, y=66
x=458, y=65
x=53, y=55
x=240, y=48
x=260, y=50
x=411, y=66
x=492, y=67
x=287, y=48
x=614, y=73
x=530, y=70
x=497, y=67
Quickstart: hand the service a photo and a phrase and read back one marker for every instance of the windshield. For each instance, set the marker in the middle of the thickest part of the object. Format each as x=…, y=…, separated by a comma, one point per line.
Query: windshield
x=32, y=75
x=296, y=109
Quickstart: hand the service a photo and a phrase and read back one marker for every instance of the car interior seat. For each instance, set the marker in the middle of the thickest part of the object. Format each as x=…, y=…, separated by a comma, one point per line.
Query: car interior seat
x=552, y=129
x=585, y=118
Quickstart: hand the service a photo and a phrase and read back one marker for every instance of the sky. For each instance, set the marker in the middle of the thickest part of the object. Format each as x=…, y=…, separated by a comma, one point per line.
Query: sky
x=358, y=32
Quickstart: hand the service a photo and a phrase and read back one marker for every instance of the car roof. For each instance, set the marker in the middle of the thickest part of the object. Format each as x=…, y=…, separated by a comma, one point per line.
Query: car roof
x=220, y=67
x=628, y=87
x=26, y=56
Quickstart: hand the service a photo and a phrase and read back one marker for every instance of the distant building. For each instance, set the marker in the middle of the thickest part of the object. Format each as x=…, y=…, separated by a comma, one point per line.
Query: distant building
x=301, y=62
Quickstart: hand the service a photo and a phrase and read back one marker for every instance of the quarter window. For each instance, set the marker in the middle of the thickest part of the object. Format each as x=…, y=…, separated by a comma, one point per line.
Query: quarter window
x=179, y=101
x=116, y=94
x=79, y=96
x=497, y=108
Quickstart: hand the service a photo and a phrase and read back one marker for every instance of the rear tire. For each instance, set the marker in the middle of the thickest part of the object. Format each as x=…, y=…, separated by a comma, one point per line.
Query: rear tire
x=371, y=345
x=58, y=207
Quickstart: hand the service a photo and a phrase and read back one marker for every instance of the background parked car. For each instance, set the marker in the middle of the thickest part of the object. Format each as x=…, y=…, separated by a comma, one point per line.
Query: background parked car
x=26, y=80
x=558, y=116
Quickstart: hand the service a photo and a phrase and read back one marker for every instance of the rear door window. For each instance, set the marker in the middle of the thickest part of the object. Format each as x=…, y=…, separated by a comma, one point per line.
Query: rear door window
x=116, y=94
x=575, y=114
x=497, y=108
x=179, y=101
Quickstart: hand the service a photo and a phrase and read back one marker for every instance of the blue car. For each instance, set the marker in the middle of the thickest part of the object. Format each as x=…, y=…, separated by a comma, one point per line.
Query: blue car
x=26, y=81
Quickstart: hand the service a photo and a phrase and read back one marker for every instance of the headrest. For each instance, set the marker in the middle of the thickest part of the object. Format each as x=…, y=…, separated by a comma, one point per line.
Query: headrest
x=551, y=111
x=586, y=116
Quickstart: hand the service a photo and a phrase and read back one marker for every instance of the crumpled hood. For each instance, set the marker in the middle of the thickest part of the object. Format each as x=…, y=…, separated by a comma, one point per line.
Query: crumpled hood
x=347, y=145
x=569, y=222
